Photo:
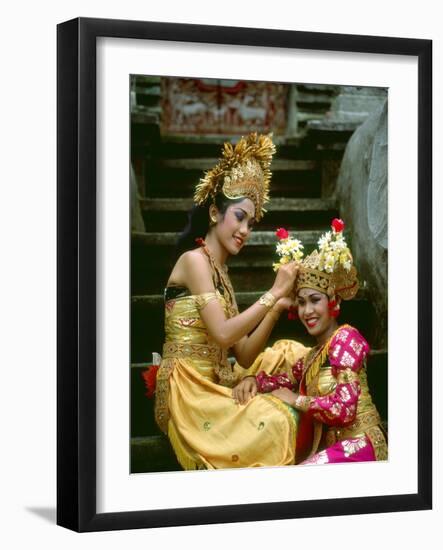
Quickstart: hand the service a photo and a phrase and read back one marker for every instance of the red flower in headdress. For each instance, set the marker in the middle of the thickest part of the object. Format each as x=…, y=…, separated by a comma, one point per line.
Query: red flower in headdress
x=282, y=233
x=334, y=308
x=338, y=225
x=200, y=241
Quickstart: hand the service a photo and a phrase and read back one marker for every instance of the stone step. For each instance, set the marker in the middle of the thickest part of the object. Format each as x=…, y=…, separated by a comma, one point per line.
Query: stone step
x=152, y=112
x=152, y=454
x=171, y=214
x=244, y=276
x=182, y=184
x=257, y=238
x=209, y=146
x=143, y=117
x=154, y=90
x=320, y=88
x=177, y=176
x=345, y=127
x=147, y=80
x=149, y=276
x=243, y=298
x=277, y=204
x=252, y=268
x=208, y=163
x=147, y=321
x=152, y=278
x=216, y=140
x=311, y=97
x=306, y=116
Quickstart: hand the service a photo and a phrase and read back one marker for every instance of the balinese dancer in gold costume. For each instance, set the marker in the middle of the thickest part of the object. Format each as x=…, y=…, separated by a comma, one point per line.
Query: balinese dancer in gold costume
x=194, y=405
x=328, y=386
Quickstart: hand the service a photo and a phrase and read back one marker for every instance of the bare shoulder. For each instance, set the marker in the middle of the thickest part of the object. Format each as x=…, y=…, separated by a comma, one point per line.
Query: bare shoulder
x=193, y=271
x=195, y=255
x=193, y=261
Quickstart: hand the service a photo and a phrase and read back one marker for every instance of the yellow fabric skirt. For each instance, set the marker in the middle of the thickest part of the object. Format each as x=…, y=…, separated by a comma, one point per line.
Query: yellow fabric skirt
x=208, y=430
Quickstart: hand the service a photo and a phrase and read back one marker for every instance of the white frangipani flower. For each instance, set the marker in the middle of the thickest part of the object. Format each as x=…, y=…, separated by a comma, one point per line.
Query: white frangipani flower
x=289, y=250
x=332, y=251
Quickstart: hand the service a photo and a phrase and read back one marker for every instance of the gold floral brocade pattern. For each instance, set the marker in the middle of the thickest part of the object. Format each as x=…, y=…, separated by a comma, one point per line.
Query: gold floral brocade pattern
x=378, y=441
x=361, y=425
x=201, y=300
x=193, y=351
x=162, y=393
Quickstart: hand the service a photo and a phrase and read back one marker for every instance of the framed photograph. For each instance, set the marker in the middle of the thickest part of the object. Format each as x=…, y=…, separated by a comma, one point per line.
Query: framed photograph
x=144, y=112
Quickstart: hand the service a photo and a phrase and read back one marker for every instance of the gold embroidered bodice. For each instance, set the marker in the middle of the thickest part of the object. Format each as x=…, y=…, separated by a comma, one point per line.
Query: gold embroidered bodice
x=367, y=420
x=182, y=319
x=187, y=336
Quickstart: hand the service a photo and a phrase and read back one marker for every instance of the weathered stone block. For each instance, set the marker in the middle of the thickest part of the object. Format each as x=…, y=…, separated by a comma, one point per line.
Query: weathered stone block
x=362, y=193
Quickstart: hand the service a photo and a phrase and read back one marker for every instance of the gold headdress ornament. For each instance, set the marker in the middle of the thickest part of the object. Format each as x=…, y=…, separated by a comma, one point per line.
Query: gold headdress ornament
x=243, y=171
x=329, y=269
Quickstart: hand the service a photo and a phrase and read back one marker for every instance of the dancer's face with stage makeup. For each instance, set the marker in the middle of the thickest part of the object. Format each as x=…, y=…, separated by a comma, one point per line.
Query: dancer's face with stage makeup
x=233, y=228
x=314, y=313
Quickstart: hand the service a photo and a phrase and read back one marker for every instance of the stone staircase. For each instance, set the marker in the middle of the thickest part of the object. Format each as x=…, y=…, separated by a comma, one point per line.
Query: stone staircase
x=304, y=173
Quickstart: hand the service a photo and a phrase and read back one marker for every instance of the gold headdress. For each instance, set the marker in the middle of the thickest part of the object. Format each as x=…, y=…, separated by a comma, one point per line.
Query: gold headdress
x=329, y=269
x=243, y=171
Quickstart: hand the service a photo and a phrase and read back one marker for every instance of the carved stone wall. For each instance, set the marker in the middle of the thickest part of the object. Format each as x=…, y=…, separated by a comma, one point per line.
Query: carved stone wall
x=362, y=192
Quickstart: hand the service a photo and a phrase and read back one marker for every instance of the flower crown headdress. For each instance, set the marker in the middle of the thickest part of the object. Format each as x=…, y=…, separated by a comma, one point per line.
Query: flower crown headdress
x=243, y=171
x=329, y=269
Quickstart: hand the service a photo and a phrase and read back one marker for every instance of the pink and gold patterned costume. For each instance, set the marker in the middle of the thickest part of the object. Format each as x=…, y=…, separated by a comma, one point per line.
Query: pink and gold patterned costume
x=340, y=423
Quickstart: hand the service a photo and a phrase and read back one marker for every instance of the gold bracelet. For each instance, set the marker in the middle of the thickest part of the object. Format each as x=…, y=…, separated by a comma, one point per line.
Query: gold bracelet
x=267, y=300
x=302, y=402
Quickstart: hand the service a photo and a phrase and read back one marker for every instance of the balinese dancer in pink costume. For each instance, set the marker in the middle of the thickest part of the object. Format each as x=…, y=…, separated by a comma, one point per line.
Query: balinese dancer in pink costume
x=328, y=386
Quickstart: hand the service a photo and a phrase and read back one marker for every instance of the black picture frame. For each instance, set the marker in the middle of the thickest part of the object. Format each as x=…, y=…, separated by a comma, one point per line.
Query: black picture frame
x=76, y=278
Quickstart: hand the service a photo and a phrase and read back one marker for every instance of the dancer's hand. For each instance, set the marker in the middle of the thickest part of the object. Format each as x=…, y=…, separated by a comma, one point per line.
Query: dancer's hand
x=245, y=390
x=284, y=303
x=285, y=280
x=286, y=395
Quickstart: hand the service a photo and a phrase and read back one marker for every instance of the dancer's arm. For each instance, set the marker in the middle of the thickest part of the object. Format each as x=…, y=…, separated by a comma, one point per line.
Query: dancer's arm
x=195, y=273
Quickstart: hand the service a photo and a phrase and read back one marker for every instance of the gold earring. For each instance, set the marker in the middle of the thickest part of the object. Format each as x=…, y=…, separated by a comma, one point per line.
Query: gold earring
x=213, y=221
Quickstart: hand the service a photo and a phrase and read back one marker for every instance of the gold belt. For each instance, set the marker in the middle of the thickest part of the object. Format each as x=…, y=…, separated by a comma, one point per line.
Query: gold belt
x=194, y=351
x=361, y=425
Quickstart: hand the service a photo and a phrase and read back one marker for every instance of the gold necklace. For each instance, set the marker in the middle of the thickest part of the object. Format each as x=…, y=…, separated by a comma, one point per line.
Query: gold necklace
x=313, y=367
x=223, y=280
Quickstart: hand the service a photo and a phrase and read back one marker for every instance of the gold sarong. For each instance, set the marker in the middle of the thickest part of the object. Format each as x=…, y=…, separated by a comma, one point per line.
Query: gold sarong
x=194, y=403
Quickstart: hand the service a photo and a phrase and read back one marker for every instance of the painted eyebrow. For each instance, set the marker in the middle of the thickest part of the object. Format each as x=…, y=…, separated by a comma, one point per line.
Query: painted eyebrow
x=247, y=213
x=309, y=295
